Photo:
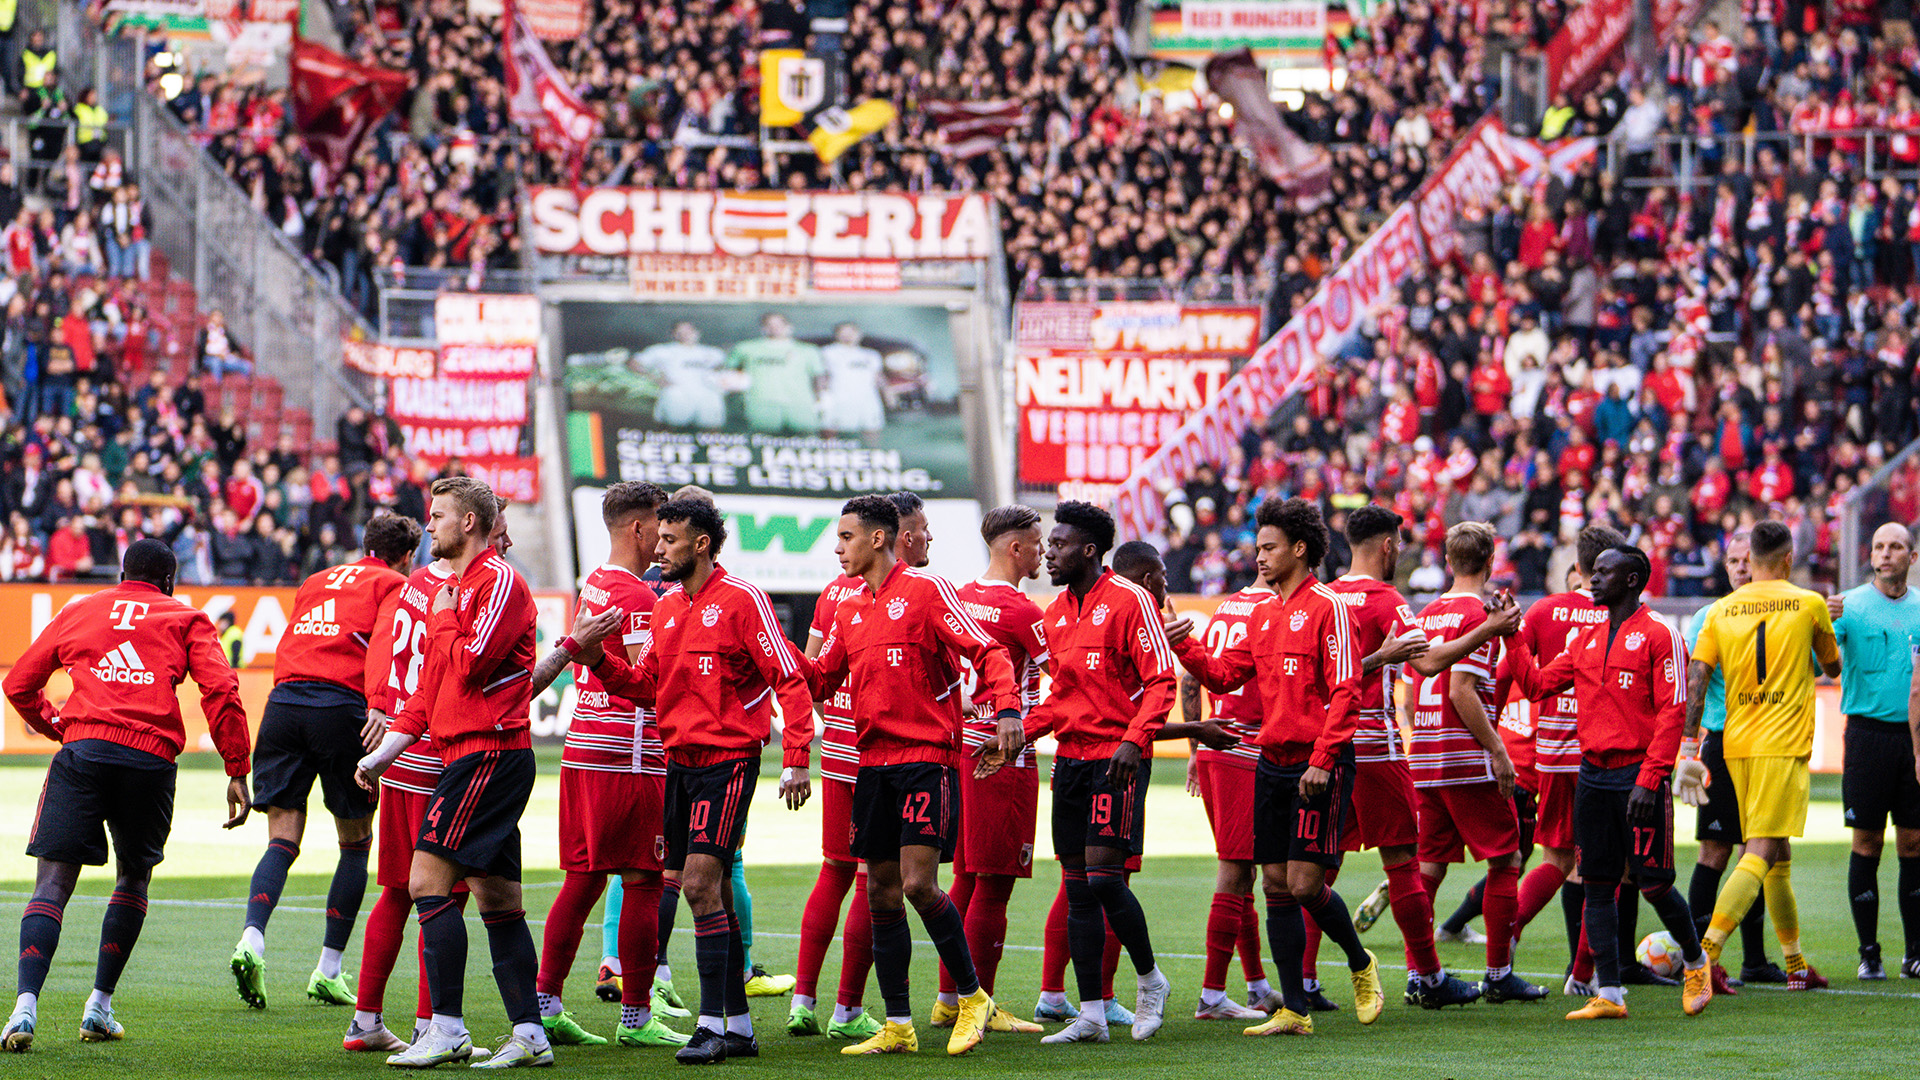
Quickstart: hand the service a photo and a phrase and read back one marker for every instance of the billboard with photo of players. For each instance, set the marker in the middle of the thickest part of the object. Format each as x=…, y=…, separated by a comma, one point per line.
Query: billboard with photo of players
x=785, y=409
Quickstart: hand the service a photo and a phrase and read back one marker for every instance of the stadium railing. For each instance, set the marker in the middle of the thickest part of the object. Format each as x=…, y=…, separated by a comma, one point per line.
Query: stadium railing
x=1683, y=160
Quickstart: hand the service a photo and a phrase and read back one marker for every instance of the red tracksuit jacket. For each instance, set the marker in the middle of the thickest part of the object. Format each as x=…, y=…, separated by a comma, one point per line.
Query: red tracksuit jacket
x=126, y=649
x=335, y=614
x=895, y=649
x=717, y=662
x=1552, y=624
x=1113, y=672
x=1632, y=690
x=1301, y=649
x=475, y=690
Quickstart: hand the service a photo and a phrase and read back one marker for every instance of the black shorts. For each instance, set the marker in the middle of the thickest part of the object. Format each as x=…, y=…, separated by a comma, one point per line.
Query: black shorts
x=473, y=815
x=1877, y=781
x=1526, y=807
x=1289, y=827
x=299, y=743
x=707, y=809
x=83, y=801
x=1719, y=819
x=1611, y=847
x=898, y=805
x=1088, y=811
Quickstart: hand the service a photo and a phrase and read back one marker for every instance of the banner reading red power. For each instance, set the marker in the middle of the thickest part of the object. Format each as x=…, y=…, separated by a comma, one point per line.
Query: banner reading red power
x=1100, y=387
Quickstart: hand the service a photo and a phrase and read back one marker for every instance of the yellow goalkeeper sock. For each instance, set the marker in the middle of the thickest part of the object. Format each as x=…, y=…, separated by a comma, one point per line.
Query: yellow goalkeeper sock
x=1784, y=910
x=1736, y=896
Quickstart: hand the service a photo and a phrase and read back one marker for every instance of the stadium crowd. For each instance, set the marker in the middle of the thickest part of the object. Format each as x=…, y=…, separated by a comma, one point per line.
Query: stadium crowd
x=1623, y=347
x=1106, y=179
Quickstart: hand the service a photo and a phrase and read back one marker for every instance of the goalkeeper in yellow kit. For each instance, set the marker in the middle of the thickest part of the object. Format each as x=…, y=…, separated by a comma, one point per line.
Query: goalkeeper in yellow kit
x=1760, y=637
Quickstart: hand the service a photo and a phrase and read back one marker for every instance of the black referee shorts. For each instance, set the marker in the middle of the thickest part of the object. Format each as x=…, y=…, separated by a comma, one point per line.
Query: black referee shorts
x=1877, y=780
x=83, y=801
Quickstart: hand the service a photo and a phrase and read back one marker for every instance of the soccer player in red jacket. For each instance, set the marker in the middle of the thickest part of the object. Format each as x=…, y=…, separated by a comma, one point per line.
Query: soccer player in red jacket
x=1113, y=683
x=612, y=789
x=897, y=644
x=126, y=649
x=395, y=661
x=1627, y=673
x=315, y=727
x=717, y=664
x=1383, y=795
x=1300, y=647
x=475, y=695
x=1461, y=768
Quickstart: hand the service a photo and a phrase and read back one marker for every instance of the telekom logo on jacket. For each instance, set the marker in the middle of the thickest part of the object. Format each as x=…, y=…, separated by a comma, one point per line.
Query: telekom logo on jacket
x=125, y=612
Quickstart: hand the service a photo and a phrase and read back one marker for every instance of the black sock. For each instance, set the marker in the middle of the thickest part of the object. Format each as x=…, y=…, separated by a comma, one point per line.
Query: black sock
x=1573, y=908
x=1086, y=934
x=443, y=949
x=39, y=940
x=1469, y=909
x=119, y=930
x=1626, y=907
x=1753, y=935
x=949, y=936
x=893, y=959
x=1603, y=930
x=349, y=888
x=1287, y=937
x=1909, y=887
x=736, y=983
x=515, y=963
x=669, y=910
x=1863, y=892
x=1109, y=887
x=269, y=877
x=1329, y=912
x=710, y=933
x=1702, y=891
x=1675, y=916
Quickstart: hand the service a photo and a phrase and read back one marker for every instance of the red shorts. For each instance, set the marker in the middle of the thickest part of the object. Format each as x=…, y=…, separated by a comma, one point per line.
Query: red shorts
x=1385, y=802
x=611, y=821
x=1226, y=789
x=836, y=820
x=1473, y=816
x=398, y=824
x=998, y=817
x=1554, y=827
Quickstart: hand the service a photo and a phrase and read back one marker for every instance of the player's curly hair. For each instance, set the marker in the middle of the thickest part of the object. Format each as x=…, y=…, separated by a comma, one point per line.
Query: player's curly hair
x=392, y=538
x=875, y=512
x=1470, y=547
x=1002, y=520
x=627, y=498
x=1369, y=521
x=1091, y=522
x=1300, y=522
x=701, y=514
x=1593, y=540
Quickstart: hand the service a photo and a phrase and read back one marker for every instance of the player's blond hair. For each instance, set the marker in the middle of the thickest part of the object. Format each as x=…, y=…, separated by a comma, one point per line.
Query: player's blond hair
x=471, y=496
x=1470, y=547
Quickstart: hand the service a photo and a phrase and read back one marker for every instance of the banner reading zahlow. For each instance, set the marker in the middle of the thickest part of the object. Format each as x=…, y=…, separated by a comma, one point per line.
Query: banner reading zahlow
x=1096, y=402
x=481, y=421
x=802, y=404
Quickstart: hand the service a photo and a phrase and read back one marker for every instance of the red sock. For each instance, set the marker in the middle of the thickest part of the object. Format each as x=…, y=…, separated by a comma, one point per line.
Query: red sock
x=1109, y=963
x=639, y=939
x=380, y=947
x=1223, y=933
x=856, y=940
x=1583, y=957
x=986, y=924
x=1502, y=903
x=1413, y=911
x=1054, y=957
x=1431, y=886
x=1250, y=965
x=568, y=917
x=817, y=924
x=1537, y=890
x=961, y=893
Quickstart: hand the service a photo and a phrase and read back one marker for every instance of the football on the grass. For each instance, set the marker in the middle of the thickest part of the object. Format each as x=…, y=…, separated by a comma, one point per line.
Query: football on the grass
x=1661, y=953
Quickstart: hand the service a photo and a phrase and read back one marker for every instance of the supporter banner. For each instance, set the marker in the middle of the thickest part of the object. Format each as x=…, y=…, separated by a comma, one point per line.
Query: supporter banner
x=539, y=98
x=792, y=86
x=1274, y=30
x=1092, y=408
x=486, y=335
x=1302, y=170
x=825, y=400
x=515, y=479
x=554, y=20
x=174, y=19
x=261, y=615
x=388, y=361
x=457, y=401
x=480, y=421
x=256, y=33
x=971, y=128
x=1594, y=38
x=1469, y=183
x=336, y=101
x=821, y=225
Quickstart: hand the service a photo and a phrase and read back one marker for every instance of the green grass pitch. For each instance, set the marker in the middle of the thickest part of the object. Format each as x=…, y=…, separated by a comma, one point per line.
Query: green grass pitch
x=183, y=1018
